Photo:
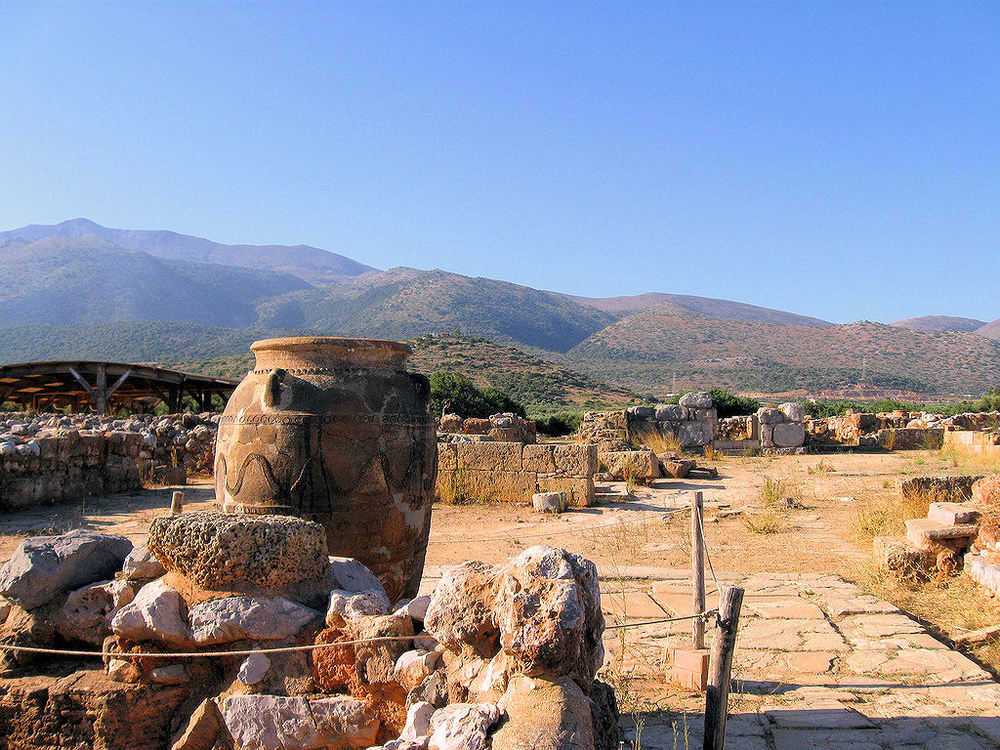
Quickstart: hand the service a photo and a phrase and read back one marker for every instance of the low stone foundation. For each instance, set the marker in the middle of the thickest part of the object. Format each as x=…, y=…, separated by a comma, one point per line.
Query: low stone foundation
x=48, y=458
x=512, y=472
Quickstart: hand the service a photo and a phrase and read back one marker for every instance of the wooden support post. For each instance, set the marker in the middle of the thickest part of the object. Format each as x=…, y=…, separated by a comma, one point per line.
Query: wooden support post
x=177, y=503
x=697, y=571
x=721, y=665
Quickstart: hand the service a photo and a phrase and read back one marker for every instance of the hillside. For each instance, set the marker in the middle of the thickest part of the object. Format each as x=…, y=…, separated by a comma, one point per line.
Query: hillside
x=990, y=330
x=309, y=263
x=404, y=303
x=541, y=386
x=940, y=323
x=713, y=308
x=645, y=350
x=128, y=341
x=60, y=281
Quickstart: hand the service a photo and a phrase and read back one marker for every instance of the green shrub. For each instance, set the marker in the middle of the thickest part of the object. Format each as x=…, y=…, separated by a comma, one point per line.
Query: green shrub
x=462, y=397
x=558, y=425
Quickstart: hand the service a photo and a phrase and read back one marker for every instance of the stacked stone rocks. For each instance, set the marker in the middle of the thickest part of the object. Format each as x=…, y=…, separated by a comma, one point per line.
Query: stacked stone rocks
x=55, y=458
x=498, y=656
x=690, y=422
x=505, y=428
x=982, y=563
x=782, y=429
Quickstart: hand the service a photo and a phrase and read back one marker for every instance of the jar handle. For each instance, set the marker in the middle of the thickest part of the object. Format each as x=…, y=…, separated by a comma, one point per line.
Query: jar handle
x=272, y=387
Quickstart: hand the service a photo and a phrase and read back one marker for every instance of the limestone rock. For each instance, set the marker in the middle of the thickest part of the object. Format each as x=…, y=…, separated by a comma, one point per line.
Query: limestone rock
x=418, y=721
x=351, y=575
x=544, y=715
x=462, y=726
x=154, y=615
x=548, y=609
x=217, y=550
x=44, y=566
x=549, y=502
x=793, y=412
x=416, y=609
x=235, y=618
x=605, y=715
x=460, y=614
x=141, y=565
x=696, y=400
x=376, y=661
x=641, y=465
x=345, y=606
x=770, y=415
x=254, y=669
x=433, y=690
x=413, y=667
x=5, y=606
x=24, y=628
x=170, y=674
x=85, y=615
x=788, y=435
x=202, y=728
x=671, y=466
x=670, y=413
x=270, y=722
x=342, y=722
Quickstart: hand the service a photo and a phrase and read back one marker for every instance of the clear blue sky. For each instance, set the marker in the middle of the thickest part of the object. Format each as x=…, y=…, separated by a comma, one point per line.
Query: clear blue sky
x=837, y=159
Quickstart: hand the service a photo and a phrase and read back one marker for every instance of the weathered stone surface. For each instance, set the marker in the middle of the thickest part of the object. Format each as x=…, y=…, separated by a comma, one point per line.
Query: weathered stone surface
x=548, y=610
x=141, y=565
x=788, y=435
x=154, y=615
x=490, y=456
x=695, y=434
x=696, y=400
x=254, y=669
x=169, y=674
x=953, y=514
x=217, y=550
x=413, y=667
x=85, y=615
x=345, y=606
x=44, y=566
x=235, y=618
x=770, y=415
x=544, y=715
x=351, y=575
x=671, y=466
x=575, y=460
x=638, y=465
x=85, y=709
x=460, y=614
x=416, y=608
x=418, y=721
x=343, y=722
x=896, y=554
x=670, y=413
x=538, y=458
x=433, y=690
x=549, y=502
x=986, y=491
x=462, y=726
x=202, y=728
x=33, y=628
x=793, y=412
x=270, y=722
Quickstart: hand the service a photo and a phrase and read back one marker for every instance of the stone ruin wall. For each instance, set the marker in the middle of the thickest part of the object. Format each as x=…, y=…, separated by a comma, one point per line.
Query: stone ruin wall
x=47, y=458
x=503, y=428
x=512, y=472
x=897, y=430
x=691, y=423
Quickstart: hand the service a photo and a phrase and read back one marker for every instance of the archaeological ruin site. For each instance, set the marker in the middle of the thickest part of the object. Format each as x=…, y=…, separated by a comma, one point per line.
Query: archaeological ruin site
x=329, y=563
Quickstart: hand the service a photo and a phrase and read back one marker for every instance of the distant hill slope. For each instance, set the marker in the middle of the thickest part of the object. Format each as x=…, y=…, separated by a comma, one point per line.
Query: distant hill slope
x=541, y=386
x=309, y=263
x=940, y=323
x=129, y=341
x=404, y=303
x=646, y=349
x=990, y=330
x=63, y=281
x=714, y=308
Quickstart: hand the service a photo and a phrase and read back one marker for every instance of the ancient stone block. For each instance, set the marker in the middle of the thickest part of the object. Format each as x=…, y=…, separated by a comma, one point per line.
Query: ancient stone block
x=579, y=460
x=538, y=458
x=580, y=492
x=216, y=550
x=489, y=456
x=788, y=434
x=640, y=466
x=447, y=457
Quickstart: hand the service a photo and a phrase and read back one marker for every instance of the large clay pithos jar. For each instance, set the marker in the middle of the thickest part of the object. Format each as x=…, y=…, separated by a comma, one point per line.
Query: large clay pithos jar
x=336, y=431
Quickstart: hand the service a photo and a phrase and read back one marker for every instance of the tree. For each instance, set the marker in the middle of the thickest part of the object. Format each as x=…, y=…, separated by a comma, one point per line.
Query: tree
x=454, y=393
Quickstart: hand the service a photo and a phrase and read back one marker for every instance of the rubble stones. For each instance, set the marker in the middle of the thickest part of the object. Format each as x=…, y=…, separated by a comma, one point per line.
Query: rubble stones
x=460, y=614
x=696, y=400
x=413, y=667
x=217, y=550
x=154, y=615
x=343, y=722
x=253, y=669
x=44, y=566
x=462, y=726
x=235, y=618
x=418, y=721
x=640, y=466
x=270, y=722
x=346, y=606
x=549, y=502
x=86, y=614
x=544, y=715
x=141, y=565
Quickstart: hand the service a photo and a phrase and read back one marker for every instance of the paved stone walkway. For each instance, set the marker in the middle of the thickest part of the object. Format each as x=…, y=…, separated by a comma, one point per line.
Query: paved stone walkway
x=818, y=665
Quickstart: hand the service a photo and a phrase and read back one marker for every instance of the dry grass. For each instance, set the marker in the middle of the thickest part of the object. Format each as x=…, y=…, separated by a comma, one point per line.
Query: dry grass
x=713, y=454
x=657, y=442
x=765, y=522
x=968, y=461
x=885, y=514
x=821, y=468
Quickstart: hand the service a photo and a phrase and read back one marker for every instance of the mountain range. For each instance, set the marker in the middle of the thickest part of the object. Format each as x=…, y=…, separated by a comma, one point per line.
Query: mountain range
x=78, y=289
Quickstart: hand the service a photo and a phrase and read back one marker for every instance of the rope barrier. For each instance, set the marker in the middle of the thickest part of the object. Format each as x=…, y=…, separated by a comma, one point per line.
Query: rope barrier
x=561, y=532
x=708, y=558
x=286, y=649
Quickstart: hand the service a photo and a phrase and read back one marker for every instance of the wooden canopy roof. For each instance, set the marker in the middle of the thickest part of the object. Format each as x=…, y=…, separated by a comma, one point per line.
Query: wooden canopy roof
x=76, y=382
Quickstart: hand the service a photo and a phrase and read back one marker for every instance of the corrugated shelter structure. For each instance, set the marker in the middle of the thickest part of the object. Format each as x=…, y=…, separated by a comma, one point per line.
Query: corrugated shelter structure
x=79, y=383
